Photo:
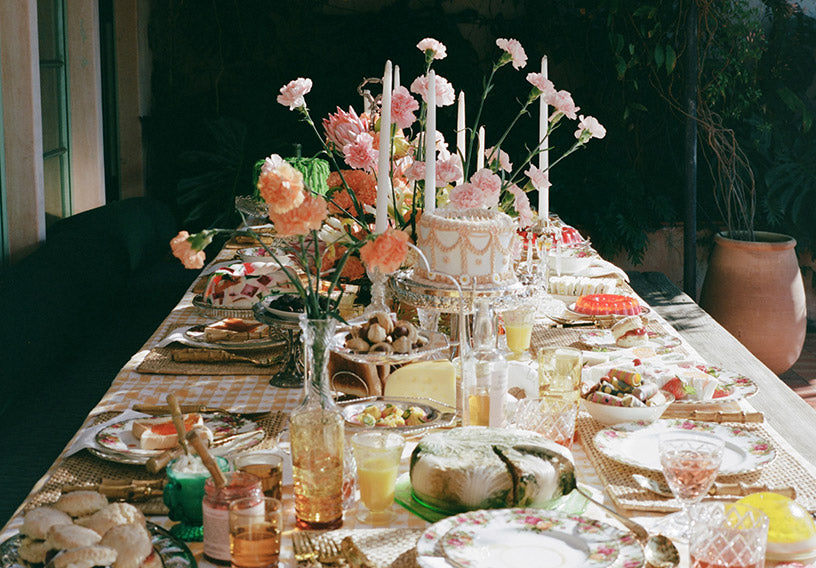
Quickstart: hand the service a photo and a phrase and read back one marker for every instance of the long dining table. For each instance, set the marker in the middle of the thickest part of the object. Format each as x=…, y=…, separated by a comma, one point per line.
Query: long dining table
x=149, y=377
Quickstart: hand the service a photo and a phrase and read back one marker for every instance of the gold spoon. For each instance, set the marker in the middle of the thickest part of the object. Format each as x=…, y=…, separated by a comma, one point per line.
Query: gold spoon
x=659, y=550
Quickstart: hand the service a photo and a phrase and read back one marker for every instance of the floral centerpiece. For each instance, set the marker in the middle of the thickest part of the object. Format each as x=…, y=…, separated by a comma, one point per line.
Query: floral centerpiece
x=386, y=163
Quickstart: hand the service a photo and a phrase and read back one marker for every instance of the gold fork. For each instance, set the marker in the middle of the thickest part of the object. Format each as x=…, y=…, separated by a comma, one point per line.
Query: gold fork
x=327, y=550
x=305, y=553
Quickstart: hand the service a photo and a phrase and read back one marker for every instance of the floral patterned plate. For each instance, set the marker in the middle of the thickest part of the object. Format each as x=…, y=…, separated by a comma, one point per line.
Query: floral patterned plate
x=635, y=444
x=602, y=340
x=511, y=537
x=117, y=443
x=733, y=386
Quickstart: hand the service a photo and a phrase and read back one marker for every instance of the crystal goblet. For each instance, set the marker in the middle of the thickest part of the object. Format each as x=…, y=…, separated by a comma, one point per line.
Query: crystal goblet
x=690, y=463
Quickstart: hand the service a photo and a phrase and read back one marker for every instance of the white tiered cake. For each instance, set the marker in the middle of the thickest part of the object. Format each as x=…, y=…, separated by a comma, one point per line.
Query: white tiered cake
x=475, y=246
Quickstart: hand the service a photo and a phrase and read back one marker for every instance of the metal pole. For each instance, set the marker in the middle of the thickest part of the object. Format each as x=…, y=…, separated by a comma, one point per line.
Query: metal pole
x=690, y=227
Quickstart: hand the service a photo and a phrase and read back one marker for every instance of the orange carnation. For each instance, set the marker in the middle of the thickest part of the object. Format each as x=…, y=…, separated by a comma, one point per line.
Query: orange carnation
x=363, y=184
x=386, y=252
x=308, y=216
x=281, y=187
x=183, y=250
x=352, y=270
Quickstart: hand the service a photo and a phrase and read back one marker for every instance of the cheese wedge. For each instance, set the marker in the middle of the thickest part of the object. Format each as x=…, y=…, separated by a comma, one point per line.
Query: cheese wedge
x=425, y=379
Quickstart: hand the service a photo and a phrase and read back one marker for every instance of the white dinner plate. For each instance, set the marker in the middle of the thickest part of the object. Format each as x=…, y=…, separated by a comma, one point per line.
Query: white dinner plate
x=117, y=442
x=635, y=444
x=552, y=538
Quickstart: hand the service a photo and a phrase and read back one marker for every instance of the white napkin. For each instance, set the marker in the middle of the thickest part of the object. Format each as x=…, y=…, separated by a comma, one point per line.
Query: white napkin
x=600, y=267
x=87, y=437
x=179, y=334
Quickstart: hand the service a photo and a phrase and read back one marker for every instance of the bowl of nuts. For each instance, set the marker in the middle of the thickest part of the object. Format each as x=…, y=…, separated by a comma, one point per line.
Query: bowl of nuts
x=383, y=339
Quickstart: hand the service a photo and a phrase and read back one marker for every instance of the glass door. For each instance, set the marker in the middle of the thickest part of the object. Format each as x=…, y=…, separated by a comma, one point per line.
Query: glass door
x=55, y=116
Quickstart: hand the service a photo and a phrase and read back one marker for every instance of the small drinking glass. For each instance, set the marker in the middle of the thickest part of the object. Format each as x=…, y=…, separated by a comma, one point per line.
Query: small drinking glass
x=255, y=525
x=518, y=329
x=265, y=465
x=728, y=535
x=559, y=372
x=378, y=457
x=551, y=416
x=690, y=463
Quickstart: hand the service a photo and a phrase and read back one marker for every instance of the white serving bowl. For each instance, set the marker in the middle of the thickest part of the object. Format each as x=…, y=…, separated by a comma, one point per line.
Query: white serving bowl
x=611, y=415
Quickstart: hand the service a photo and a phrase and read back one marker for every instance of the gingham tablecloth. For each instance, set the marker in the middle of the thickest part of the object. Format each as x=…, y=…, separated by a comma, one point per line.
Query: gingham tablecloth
x=252, y=393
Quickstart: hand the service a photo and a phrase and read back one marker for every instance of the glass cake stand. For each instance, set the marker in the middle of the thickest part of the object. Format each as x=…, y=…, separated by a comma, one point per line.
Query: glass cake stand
x=291, y=374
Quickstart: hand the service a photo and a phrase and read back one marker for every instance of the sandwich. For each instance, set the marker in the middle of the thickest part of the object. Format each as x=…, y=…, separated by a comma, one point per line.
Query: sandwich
x=160, y=433
x=629, y=332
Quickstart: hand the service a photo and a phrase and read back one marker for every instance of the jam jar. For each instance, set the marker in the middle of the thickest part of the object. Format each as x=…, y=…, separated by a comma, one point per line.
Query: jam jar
x=215, y=508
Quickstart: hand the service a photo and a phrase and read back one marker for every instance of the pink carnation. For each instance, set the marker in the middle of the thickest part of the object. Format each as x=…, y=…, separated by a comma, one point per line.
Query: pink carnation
x=361, y=153
x=292, y=93
x=437, y=47
x=489, y=184
x=183, y=250
x=540, y=178
x=448, y=169
x=503, y=158
x=280, y=185
x=522, y=205
x=415, y=172
x=444, y=90
x=563, y=103
x=343, y=127
x=308, y=216
x=386, y=252
x=540, y=82
x=466, y=196
x=403, y=106
x=590, y=125
x=515, y=50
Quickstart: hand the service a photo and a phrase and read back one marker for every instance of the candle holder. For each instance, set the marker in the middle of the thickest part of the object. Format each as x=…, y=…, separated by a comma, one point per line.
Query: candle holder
x=377, y=304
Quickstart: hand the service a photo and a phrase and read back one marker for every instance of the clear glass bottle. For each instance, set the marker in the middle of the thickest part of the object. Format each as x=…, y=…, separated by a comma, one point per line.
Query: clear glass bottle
x=485, y=389
x=317, y=436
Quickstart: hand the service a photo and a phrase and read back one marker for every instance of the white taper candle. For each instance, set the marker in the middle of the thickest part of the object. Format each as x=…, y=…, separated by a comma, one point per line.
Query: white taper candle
x=430, y=145
x=396, y=76
x=461, y=130
x=384, y=162
x=544, y=155
x=481, y=151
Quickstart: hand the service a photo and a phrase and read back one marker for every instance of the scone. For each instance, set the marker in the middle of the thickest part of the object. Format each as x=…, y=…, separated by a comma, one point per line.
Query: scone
x=131, y=542
x=39, y=521
x=63, y=537
x=85, y=557
x=33, y=551
x=81, y=503
x=112, y=515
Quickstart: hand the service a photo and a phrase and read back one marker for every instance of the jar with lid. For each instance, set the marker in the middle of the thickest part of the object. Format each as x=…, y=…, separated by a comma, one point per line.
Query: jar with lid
x=215, y=508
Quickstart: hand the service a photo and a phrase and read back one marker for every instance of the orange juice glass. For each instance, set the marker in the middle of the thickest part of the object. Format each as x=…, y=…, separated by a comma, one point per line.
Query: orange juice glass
x=378, y=455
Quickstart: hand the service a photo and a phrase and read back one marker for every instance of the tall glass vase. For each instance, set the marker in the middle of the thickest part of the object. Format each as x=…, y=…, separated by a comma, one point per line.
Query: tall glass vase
x=316, y=433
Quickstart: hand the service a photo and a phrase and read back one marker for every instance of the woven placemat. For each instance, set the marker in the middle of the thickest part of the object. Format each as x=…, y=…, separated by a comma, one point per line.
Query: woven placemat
x=160, y=361
x=86, y=469
x=383, y=548
x=784, y=471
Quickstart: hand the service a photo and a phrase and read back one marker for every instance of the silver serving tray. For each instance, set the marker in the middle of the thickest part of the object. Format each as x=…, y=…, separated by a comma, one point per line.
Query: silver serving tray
x=439, y=415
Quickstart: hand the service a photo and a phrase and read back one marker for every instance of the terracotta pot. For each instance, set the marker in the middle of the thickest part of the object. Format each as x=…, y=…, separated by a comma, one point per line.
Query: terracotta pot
x=754, y=289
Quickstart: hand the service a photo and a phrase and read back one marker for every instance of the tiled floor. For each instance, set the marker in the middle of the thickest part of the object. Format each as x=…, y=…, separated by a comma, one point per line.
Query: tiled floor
x=802, y=377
